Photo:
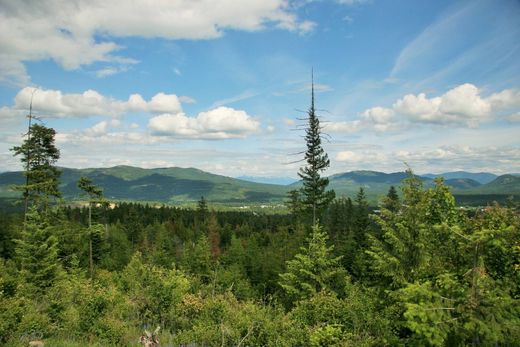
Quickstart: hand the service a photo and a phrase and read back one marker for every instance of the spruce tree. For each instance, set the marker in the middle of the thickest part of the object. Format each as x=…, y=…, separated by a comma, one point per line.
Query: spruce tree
x=315, y=196
x=37, y=252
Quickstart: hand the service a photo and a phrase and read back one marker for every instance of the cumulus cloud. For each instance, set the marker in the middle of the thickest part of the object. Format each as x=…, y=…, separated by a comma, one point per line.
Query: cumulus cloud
x=218, y=123
x=505, y=99
x=461, y=106
x=80, y=32
x=497, y=159
x=463, y=157
x=55, y=104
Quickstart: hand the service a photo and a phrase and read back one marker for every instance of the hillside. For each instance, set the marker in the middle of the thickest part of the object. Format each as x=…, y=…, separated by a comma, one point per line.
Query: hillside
x=505, y=184
x=168, y=185
x=462, y=183
x=480, y=177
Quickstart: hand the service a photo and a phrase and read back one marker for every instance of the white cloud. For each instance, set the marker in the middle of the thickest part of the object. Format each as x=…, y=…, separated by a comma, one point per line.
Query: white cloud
x=462, y=157
x=497, y=159
x=505, y=99
x=218, y=123
x=55, y=104
x=100, y=128
x=348, y=156
x=79, y=32
x=460, y=106
x=164, y=103
x=343, y=127
x=187, y=99
x=110, y=70
x=379, y=118
x=100, y=136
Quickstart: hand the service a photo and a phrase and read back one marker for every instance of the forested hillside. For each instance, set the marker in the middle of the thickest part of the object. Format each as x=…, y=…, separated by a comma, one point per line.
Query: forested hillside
x=187, y=185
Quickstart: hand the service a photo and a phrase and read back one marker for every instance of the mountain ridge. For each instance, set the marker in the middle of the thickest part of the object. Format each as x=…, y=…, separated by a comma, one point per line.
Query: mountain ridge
x=181, y=185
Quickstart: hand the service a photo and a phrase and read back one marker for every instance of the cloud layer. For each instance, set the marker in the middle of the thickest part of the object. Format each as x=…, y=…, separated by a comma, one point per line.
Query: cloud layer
x=78, y=32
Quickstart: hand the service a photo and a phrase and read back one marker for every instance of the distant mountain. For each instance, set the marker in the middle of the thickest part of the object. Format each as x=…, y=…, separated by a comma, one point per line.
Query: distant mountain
x=364, y=176
x=462, y=183
x=505, y=184
x=171, y=185
x=481, y=177
x=375, y=184
x=180, y=185
x=269, y=180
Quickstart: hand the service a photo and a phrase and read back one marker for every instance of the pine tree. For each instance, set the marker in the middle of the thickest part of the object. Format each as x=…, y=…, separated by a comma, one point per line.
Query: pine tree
x=39, y=155
x=315, y=197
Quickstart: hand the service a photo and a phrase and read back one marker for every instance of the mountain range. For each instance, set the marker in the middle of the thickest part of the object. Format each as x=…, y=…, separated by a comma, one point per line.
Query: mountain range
x=180, y=185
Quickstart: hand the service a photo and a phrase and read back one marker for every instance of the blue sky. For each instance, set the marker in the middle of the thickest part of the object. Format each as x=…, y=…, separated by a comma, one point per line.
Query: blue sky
x=220, y=84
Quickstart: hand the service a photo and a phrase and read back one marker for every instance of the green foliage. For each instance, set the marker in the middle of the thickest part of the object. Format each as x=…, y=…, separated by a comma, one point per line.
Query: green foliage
x=403, y=250
x=312, y=270
x=154, y=291
x=86, y=185
x=37, y=252
x=355, y=320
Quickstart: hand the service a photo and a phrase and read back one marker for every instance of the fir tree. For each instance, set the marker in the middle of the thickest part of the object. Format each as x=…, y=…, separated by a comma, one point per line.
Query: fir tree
x=315, y=196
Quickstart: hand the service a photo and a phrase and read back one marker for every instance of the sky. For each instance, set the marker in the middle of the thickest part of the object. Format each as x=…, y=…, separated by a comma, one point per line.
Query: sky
x=223, y=85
